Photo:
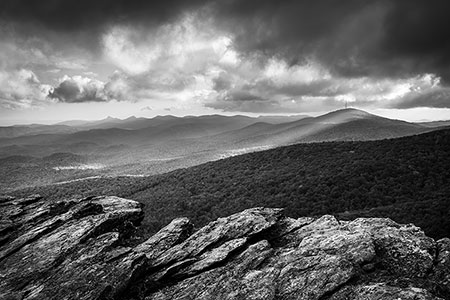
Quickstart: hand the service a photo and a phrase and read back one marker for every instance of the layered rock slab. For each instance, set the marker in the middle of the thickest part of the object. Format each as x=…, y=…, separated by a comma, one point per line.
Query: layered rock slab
x=77, y=249
x=310, y=259
x=54, y=250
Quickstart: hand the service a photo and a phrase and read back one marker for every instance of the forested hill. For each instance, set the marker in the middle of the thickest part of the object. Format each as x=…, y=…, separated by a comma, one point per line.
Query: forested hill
x=406, y=179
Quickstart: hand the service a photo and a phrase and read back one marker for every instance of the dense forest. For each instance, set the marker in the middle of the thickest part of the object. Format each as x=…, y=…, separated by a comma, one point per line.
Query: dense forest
x=406, y=179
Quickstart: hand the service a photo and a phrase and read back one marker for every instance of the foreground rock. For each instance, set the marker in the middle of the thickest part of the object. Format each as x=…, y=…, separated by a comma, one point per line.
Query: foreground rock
x=67, y=250
x=79, y=249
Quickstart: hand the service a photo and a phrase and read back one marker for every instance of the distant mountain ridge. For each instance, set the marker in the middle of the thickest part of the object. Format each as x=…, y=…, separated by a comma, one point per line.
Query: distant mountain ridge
x=435, y=123
x=139, y=146
x=282, y=129
x=290, y=128
x=340, y=125
x=133, y=122
x=24, y=130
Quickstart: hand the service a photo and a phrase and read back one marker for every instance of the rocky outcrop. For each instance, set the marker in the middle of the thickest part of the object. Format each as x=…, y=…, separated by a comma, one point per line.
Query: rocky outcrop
x=67, y=250
x=80, y=249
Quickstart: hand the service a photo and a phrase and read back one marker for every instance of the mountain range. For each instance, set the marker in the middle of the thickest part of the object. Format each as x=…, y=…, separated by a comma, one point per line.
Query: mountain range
x=141, y=146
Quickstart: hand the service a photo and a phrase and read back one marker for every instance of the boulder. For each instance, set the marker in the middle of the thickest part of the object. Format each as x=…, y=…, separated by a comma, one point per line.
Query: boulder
x=62, y=247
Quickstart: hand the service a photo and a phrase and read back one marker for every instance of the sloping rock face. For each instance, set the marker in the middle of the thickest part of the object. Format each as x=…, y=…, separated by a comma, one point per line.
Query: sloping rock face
x=80, y=249
x=66, y=250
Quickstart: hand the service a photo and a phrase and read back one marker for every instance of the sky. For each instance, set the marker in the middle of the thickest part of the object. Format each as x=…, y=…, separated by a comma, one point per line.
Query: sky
x=88, y=59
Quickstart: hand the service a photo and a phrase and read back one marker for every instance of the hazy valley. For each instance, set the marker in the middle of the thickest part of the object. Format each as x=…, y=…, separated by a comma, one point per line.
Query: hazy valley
x=46, y=154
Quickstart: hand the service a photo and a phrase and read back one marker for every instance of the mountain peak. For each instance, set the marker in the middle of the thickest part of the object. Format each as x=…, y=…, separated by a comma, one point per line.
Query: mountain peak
x=347, y=114
x=351, y=110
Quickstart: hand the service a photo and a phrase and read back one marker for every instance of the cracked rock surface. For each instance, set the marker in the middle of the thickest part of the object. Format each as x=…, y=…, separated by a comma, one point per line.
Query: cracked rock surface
x=80, y=249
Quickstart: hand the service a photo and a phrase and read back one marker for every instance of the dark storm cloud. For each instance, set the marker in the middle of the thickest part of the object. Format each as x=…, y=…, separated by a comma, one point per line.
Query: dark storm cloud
x=222, y=82
x=353, y=38
x=241, y=95
x=285, y=26
x=66, y=91
x=437, y=98
x=68, y=15
x=77, y=90
x=418, y=32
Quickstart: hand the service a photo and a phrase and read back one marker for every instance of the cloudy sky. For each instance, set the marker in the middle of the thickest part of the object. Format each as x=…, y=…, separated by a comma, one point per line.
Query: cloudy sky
x=87, y=59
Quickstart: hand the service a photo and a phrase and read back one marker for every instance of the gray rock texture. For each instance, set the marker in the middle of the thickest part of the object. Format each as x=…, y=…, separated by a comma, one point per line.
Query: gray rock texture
x=81, y=249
